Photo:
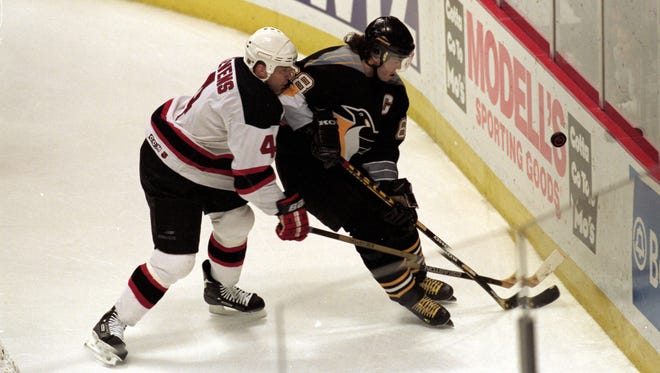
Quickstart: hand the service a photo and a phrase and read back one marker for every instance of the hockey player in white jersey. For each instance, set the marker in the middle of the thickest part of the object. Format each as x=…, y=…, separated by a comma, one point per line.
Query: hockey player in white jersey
x=210, y=153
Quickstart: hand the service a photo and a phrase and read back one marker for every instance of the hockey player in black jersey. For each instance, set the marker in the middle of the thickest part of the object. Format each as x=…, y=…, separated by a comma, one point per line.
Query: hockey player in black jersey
x=210, y=153
x=349, y=102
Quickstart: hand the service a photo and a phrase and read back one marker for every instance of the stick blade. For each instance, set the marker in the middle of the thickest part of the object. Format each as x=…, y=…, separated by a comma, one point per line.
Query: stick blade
x=549, y=265
x=541, y=299
x=544, y=298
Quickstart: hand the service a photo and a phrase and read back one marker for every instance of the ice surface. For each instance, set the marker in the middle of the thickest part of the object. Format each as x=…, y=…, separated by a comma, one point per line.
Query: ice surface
x=79, y=81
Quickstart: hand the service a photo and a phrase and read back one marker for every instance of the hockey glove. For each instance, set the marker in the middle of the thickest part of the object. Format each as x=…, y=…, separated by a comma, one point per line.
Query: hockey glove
x=325, y=145
x=400, y=190
x=402, y=213
x=294, y=224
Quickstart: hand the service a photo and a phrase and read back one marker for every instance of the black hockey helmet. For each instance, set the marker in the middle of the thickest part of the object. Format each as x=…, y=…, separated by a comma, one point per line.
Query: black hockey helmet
x=386, y=35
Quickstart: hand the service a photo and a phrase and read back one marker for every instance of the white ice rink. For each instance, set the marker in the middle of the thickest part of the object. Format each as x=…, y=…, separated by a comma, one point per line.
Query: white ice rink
x=79, y=81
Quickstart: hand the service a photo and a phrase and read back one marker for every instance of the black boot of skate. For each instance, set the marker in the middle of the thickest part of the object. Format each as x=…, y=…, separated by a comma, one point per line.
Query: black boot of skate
x=224, y=300
x=431, y=312
x=437, y=290
x=425, y=308
x=107, y=341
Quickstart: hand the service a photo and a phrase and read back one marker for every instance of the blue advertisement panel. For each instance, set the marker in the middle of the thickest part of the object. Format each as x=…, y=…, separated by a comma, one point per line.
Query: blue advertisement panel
x=646, y=225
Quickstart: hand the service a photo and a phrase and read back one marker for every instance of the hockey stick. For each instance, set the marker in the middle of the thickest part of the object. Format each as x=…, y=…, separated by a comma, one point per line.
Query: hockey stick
x=547, y=267
x=414, y=261
x=547, y=296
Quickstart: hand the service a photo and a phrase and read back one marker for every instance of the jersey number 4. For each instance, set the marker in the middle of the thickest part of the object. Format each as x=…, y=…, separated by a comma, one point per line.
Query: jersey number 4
x=268, y=146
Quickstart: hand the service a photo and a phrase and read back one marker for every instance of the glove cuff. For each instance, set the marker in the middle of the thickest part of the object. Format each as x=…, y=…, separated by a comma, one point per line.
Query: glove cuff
x=289, y=204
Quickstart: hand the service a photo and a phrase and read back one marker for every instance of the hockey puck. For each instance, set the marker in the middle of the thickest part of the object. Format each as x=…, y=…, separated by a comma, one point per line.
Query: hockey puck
x=558, y=139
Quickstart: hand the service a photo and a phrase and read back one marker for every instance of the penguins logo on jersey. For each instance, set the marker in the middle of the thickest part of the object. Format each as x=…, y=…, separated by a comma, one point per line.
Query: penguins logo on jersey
x=356, y=130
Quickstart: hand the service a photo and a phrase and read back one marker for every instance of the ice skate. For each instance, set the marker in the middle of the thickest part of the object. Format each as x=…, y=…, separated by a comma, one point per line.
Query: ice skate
x=230, y=301
x=438, y=290
x=107, y=341
x=431, y=312
x=7, y=365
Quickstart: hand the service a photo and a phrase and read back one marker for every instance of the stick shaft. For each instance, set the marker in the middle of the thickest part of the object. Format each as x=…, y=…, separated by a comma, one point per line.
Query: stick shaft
x=412, y=260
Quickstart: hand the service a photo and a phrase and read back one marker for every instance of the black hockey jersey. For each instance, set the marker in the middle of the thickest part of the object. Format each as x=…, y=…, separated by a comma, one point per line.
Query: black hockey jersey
x=371, y=114
x=224, y=136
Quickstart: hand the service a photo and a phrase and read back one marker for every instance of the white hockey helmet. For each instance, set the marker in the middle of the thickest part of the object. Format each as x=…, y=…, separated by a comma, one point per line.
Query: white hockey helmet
x=272, y=47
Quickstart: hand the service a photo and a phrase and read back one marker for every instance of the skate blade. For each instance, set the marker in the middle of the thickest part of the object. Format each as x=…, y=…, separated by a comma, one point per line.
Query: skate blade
x=228, y=311
x=448, y=325
x=102, y=351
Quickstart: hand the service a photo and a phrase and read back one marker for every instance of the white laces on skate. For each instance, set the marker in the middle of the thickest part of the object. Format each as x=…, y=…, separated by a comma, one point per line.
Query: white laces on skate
x=116, y=327
x=237, y=295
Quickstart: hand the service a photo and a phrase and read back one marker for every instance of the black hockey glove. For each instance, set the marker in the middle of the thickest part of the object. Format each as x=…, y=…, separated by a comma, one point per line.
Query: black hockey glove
x=400, y=190
x=402, y=213
x=325, y=145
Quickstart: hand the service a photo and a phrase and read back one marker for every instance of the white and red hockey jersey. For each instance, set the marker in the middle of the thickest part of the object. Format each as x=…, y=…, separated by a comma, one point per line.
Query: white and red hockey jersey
x=224, y=136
